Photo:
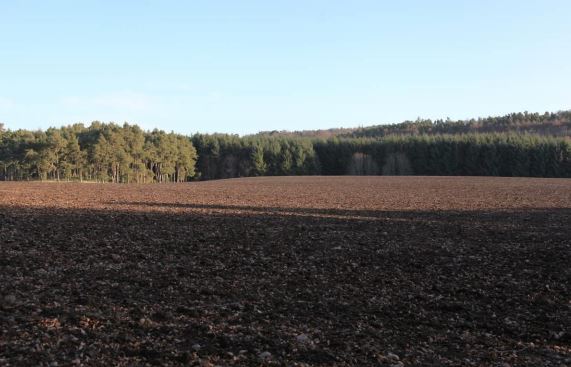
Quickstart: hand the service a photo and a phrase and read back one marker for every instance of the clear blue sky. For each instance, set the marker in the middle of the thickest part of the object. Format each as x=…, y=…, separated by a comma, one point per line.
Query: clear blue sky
x=245, y=66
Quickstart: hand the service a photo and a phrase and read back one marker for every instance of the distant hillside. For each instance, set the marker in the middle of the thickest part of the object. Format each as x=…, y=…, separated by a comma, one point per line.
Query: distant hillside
x=329, y=133
x=552, y=124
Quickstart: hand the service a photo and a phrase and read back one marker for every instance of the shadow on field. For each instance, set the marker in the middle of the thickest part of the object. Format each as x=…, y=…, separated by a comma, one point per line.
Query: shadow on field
x=531, y=215
x=434, y=287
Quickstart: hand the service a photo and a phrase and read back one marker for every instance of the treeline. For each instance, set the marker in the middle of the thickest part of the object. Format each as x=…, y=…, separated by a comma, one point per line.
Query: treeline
x=225, y=156
x=442, y=155
x=552, y=124
x=114, y=153
x=100, y=152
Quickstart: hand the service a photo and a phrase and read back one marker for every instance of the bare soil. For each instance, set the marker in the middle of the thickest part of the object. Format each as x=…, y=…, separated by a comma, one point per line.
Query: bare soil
x=287, y=271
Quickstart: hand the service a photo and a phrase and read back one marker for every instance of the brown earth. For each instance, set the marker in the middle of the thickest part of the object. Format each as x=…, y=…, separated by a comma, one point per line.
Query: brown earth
x=454, y=271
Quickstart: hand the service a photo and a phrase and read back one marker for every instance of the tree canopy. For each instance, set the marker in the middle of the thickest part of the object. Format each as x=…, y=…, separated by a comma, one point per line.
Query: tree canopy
x=100, y=152
x=123, y=154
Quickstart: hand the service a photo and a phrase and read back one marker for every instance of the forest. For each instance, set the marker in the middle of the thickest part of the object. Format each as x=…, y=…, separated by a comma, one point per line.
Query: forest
x=100, y=152
x=548, y=123
x=521, y=144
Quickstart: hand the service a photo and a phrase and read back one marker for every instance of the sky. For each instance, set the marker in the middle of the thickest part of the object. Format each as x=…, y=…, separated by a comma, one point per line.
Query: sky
x=248, y=66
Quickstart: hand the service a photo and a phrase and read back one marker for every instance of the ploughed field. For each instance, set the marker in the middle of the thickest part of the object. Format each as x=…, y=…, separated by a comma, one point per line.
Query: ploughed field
x=287, y=271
